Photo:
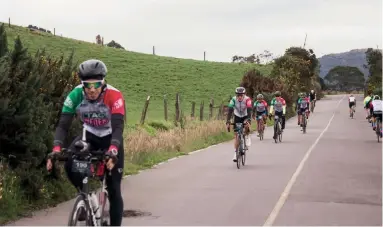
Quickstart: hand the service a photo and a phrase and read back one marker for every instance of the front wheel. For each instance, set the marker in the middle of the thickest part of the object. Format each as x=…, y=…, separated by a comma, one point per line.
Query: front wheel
x=80, y=206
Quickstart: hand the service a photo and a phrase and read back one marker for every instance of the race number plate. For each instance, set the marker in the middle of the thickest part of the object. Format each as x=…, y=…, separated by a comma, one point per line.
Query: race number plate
x=83, y=167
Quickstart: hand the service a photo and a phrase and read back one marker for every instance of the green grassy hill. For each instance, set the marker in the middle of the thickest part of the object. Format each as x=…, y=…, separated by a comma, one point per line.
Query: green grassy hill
x=139, y=75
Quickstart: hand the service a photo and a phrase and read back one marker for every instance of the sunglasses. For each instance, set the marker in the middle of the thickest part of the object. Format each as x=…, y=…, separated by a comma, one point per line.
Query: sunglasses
x=96, y=84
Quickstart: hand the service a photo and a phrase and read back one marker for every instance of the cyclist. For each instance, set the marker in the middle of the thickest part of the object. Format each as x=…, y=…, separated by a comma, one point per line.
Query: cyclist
x=302, y=106
x=242, y=108
x=279, y=104
x=351, y=103
x=313, y=97
x=376, y=110
x=366, y=103
x=101, y=109
x=260, y=109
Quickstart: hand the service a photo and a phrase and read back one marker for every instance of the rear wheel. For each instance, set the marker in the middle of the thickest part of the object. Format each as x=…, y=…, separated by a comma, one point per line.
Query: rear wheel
x=378, y=130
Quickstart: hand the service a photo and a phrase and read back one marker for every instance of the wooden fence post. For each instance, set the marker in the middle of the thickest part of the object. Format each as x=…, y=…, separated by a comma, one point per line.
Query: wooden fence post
x=211, y=106
x=154, y=50
x=165, y=108
x=9, y=22
x=177, y=107
x=143, y=115
x=201, y=111
x=193, y=110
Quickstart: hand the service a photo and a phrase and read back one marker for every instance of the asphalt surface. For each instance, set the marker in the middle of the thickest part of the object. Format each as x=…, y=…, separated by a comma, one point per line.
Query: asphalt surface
x=339, y=181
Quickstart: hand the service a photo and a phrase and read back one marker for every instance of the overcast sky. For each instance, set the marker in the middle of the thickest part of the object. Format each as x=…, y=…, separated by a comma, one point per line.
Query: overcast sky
x=222, y=28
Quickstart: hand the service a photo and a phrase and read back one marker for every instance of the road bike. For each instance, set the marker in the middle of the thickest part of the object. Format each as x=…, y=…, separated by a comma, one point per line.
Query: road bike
x=352, y=112
x=312, y=105
x=83, y=164
x=304, y=120
x=378, y=129
x=277, y=129
x=260, y=126
x=241, y=150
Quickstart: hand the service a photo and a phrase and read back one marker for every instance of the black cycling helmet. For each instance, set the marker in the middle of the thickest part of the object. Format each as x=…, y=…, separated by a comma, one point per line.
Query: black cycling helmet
x=240, y=90
x=92, y=69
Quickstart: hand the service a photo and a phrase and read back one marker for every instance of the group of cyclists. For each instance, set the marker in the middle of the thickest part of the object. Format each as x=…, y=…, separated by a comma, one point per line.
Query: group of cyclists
x=373, y=108
x=243, y=109
x=101, y=109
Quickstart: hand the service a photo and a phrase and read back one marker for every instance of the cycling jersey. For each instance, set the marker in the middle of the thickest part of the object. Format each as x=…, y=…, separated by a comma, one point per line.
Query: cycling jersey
x=351, y=99
x=241, y=108
x=98, y=117
x=366, y=101
x=260, y=106
x=376, y=106
x=312, y=96
x=303, y=103
x=279, y=104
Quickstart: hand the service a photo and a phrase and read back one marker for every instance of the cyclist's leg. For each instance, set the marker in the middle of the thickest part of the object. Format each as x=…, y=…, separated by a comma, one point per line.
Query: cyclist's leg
x=300, y=116
x=280, y=114
x=113, y=183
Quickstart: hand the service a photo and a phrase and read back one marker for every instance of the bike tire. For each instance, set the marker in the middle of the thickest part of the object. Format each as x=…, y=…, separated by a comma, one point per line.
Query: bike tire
x=304, y=123
x=280, y=132
x=276, y=131
x=260, y=129
x=377, y=130
x=239, y=154
x=243, y=154
x=74, y=215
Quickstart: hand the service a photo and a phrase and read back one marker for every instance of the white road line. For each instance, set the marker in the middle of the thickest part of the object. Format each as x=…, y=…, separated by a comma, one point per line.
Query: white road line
x=282, y=199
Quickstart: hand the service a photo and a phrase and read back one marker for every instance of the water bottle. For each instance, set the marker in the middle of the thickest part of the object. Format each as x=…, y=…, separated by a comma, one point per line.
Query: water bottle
x=95, y=205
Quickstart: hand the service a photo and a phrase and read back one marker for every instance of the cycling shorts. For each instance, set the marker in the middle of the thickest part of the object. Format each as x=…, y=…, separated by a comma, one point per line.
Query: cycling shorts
x=350, y=104
x=239, y=120
x=302, y=110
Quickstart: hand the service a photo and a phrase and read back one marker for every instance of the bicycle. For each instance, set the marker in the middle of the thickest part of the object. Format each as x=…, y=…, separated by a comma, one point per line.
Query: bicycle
x=277, y=128
x=378, y=128
x=83, y=163
x=304, y=121
x=260, y=126
x=352, y=112
x=312, y=106
x=241, y=150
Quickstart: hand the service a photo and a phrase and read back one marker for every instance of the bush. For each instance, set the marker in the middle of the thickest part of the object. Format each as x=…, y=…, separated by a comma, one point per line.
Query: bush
x=32, y=90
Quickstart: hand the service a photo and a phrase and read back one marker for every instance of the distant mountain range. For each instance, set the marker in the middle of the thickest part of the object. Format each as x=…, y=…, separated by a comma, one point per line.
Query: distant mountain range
x=356, y=58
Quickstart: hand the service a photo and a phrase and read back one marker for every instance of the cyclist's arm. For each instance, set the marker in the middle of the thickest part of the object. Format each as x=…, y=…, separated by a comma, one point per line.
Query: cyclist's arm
x=249, y=109
x=266, y=106
x=117, y=106
x=231, y=110
x=284, y=106
x=67, y=113
x=62, y=128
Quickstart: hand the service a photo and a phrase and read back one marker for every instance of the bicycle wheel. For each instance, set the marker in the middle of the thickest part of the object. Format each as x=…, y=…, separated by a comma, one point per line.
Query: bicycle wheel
x=260, y=130
x=80, y=203
x=304, y=122
x=312, y=108
x=280, y=132
x=243, y=158
x=378, y=130
x=276, y=131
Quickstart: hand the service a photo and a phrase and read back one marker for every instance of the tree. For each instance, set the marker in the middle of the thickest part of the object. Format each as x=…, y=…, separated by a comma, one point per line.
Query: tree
x=345, y=78
x=374, y=65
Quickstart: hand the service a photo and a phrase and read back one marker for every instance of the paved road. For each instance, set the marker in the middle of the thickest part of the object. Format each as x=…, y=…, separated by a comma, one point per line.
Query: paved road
x=339, y=181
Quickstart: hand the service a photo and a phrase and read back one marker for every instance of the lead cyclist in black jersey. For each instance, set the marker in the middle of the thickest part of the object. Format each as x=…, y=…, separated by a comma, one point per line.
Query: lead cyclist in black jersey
x=101, y=109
